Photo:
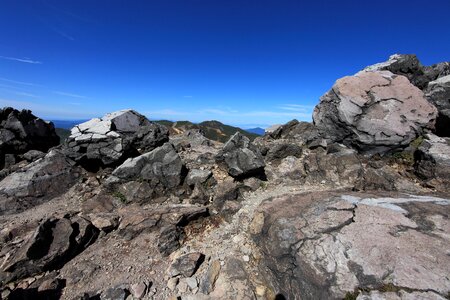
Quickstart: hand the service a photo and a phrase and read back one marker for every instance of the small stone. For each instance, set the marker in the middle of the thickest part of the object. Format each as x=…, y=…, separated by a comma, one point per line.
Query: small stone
x=172, y=283
x=5, y=293
x=192, y=282
x=186, y=265
x=209, y=279
x=116, y=293
x=237, y=239
x=182, y=286
x=260, y=290
x=138, y=290
x=246, y=258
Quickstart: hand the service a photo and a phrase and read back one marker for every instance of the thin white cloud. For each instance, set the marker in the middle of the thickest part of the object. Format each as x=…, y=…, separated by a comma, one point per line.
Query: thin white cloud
x=63, y=34
x=18, y=93
x=276, y=114
x=297, y=107
x=47, y=111
x=187, y=96
x=23, y=60
x=19, y=82
x=166, y=112
x=69, y=94
x=16, y=104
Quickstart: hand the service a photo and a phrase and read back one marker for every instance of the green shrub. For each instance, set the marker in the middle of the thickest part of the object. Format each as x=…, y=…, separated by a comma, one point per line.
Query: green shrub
x=121, y=197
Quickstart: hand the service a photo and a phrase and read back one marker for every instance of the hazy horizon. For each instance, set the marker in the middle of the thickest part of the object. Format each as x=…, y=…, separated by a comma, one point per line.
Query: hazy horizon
x=243, y=63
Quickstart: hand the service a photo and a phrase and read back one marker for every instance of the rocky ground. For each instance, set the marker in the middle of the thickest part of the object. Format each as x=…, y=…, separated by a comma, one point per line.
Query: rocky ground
x=353, y=206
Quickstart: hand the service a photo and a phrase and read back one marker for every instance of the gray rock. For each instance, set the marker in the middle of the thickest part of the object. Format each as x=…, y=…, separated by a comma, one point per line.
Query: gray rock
x=240, y=157
x=21, y=131
x=169, y=239
x=224, y=191
x=138, y=290
x=35, y=183
x=301, y=132
x=193, y=138
x=432, y=159
x=105, y=221
x=186, y=265
x=33, y=155
x=113, y=138
x=210, y=277
x=162, y=168
x=115, y=293
x=150, y=137
x=53, y=243
x=282, y=150
x=197, y=176
x=375, y=112
x=407, y=65
x=438, y=93
x=324, y=245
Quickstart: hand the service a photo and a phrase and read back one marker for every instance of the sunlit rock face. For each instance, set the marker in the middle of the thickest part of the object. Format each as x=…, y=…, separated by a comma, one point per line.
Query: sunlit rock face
x=374, y=112
x=113, y=138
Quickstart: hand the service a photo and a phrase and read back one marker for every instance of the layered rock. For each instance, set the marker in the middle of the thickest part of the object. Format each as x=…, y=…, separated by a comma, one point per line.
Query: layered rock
x=375, y=112
x=113, y=138
x=37, y=182
x=240, y=157
x=21, y=131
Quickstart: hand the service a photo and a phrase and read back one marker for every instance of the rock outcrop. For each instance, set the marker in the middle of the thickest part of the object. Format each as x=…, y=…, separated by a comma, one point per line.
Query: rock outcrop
x=432, y=160
x=438, y=93
x=53, y=243
x=433, y=80
x=240, y=157
x=21, y=131
x=37, y=182
x=113, y=138
x=375, y=112
x=162, y=168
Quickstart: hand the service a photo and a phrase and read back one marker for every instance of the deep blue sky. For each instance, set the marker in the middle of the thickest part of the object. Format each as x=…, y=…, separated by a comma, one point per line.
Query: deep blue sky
x=241, y=62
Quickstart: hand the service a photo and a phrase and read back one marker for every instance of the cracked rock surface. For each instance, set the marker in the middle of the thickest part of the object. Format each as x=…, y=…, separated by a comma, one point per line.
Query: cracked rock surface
x=325, y=245
x=113, y=138
x=375, y=112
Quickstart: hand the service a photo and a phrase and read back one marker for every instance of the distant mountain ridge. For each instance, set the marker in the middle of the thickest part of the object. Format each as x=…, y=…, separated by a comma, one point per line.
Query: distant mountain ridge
x=213, y=130
x=256, y=130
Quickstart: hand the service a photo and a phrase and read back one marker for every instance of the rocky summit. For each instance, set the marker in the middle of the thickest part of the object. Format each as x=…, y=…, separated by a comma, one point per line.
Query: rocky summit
x=354, y=205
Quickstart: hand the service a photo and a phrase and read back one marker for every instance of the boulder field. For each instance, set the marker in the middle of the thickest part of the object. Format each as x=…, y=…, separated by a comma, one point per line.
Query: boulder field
x=354, y=205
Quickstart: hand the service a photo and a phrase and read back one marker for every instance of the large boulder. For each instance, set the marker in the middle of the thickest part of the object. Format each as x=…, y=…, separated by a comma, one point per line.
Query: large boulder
x=113, y=138
x=162, y=168
x=375, y=112
x=433, y=80
x=52, y=244
x=438, y=93
x=21, y=131
x=335, y=245
x=37, y=182
x=240, y=157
